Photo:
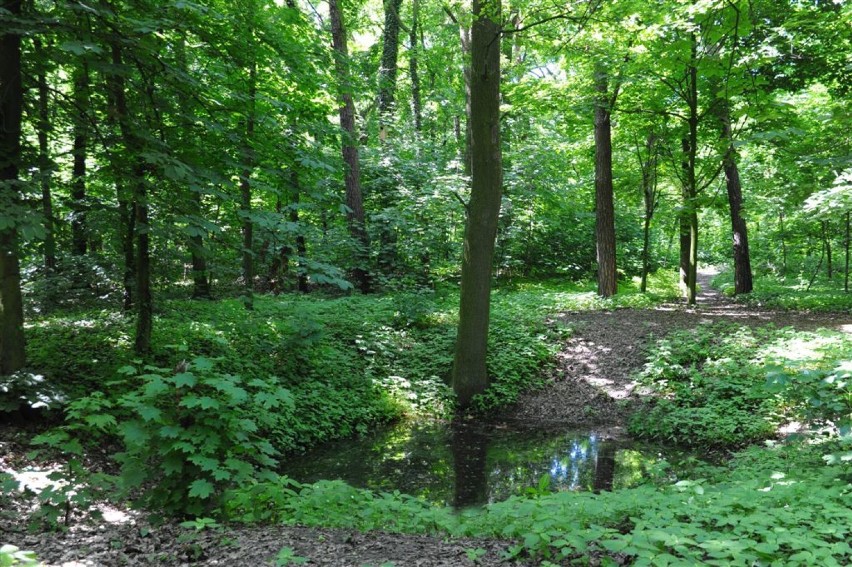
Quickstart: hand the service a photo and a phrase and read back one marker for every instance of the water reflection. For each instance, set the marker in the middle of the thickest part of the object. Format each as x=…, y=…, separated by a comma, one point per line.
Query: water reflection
x=464, y=464
x=470, y=465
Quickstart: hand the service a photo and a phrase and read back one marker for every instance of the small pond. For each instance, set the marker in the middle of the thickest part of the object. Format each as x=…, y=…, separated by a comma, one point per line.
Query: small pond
x=468, y=465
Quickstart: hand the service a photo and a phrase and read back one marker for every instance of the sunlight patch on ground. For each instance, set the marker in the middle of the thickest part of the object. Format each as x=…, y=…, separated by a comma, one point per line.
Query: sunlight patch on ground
x=800, y=349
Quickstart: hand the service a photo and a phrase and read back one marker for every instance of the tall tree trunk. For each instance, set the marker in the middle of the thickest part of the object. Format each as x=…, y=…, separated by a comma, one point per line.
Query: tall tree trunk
x=126, y=211
x=387, y=258
x=45, y=163
x=649, y=196
x=470, y=376
x=742, y=258
x=133, y=146
x=413, y=61
x=604, y=206
x=783, y=244
x=198, y=257
x=301, y=245
x=80, y=151
x=388, y=69
x=354, y=198
x=127, y=222
x=12, y=343
x=689, y=211
x=245, y=190
x=646, y=253
x=846, y=245
x=684, y=222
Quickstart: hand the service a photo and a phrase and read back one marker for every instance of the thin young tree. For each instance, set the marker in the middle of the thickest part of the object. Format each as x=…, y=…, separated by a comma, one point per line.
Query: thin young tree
x=138, y=194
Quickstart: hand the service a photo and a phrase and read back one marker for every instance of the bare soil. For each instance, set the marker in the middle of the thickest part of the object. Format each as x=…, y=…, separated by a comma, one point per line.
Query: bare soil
x=593, y=385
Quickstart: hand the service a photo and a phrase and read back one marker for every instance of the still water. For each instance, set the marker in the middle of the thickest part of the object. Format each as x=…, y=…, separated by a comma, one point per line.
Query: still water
x=466, y=465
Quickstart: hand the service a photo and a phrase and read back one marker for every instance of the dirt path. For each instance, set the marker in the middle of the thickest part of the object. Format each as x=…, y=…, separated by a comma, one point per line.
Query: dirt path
x=593, y=382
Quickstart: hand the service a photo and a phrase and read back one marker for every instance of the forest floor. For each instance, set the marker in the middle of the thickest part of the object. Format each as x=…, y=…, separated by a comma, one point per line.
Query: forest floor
x=594, y=380
x=592, y=384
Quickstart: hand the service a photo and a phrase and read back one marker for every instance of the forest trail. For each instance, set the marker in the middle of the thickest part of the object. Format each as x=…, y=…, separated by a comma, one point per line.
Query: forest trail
x=593, y=381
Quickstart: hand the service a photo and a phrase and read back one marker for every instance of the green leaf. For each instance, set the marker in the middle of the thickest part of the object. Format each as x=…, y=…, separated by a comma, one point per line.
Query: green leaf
x=185, y=379
x=201, y=488
x=102, y=421
x=149, y=413
x=202, y=363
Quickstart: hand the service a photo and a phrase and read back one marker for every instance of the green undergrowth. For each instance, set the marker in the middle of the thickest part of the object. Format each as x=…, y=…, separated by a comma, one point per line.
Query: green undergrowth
x=772, y=292
x=348, y=362
x=771, y=505
x=723, y=385
x=229, y=393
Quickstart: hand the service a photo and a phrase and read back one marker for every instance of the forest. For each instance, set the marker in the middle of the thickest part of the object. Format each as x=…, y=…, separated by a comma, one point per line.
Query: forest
x=425, y=282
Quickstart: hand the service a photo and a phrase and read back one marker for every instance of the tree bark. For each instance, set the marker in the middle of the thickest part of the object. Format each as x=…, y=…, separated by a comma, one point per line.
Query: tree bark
x=689, y=188
x=127, y=214
x=80, y=152
x=470, y=376
x=245, y=190
x=198, y=257
x=301, y=245
x=783, y=243
x=414, y=51
x=742, y=259
x=12, y=342
x=354, y=198
x=846, y=245
x=133, y=146
x=604, y=206
x=649, y=195
x=388, y=69
x=45, y=163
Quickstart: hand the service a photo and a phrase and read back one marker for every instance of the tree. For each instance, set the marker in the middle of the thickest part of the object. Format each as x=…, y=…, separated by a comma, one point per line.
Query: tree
x=245, y=185
x=650, y=199
x=80, y=153
x=45, y=164
x=742, y=258
x=604, y=207
x=134, y=146
x=470, y=374
x=388, y=69
x=349, y=147
x=12, y=344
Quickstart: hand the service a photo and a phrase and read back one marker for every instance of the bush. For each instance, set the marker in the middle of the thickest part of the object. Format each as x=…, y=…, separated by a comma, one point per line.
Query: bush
x=195, y=432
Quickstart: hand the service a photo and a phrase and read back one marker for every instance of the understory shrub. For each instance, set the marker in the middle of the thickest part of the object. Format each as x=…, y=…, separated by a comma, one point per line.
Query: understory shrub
x=726, y=384
x=192, y=432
